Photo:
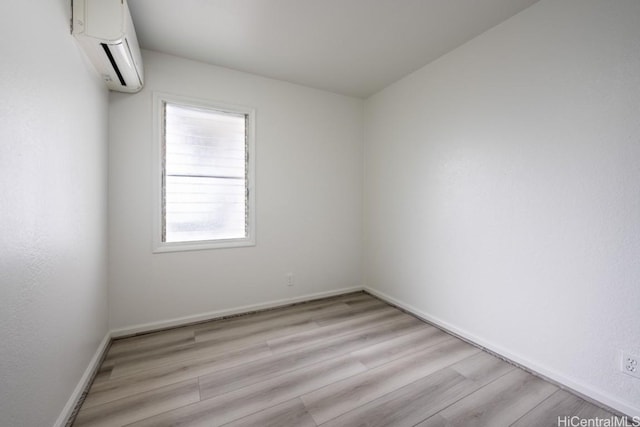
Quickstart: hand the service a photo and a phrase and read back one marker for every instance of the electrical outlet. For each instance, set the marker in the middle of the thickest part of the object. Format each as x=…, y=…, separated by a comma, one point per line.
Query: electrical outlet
x=289, y=277
x=630, y=364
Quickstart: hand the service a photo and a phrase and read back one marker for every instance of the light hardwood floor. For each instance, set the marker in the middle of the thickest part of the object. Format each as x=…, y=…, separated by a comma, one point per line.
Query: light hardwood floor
x=350, y=361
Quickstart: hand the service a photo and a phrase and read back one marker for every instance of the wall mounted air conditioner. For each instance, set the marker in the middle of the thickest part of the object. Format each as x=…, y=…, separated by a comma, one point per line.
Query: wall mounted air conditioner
x=105, y=30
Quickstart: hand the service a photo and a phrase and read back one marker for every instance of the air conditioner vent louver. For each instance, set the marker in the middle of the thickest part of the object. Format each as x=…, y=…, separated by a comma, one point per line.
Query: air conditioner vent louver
x=113, y=63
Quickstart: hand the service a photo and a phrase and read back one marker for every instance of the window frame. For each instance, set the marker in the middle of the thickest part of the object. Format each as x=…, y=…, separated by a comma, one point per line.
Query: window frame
x=159, y=99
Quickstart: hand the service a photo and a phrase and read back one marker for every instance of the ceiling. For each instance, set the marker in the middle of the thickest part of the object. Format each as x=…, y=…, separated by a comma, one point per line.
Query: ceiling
x=352, y=47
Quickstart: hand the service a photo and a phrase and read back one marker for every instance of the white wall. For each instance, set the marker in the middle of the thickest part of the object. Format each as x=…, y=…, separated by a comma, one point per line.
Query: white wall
x=53, y=178
x=309, y=207
x=502, y=192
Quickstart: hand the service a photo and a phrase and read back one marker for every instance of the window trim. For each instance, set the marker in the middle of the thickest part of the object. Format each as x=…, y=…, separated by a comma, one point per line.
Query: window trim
x=159, y=98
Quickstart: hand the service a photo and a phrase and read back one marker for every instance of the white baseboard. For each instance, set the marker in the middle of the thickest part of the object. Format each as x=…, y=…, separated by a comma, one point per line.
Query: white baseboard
x=84, y=382
x=164, y=324
x=579, y=388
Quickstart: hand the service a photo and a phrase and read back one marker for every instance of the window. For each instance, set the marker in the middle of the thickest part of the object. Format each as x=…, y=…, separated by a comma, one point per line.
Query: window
x=204, y=175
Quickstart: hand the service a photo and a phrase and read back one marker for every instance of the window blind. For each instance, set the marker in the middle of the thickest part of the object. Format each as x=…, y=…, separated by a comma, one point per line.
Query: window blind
x=205, y=174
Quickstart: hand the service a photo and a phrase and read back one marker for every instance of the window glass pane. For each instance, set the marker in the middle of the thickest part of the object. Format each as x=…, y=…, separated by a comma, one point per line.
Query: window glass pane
x=205, y=175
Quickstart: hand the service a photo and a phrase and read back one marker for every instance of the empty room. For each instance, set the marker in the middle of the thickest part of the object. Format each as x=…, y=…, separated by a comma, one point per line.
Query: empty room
x=296, y=213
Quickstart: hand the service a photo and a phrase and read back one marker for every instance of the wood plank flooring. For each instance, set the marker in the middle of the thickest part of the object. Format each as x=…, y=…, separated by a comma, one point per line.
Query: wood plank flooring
x=350, y=360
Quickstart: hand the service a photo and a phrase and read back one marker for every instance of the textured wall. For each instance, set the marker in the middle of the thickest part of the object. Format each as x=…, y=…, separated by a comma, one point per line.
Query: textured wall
x=502, y=191
x=308, y=198
x=53, y=177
